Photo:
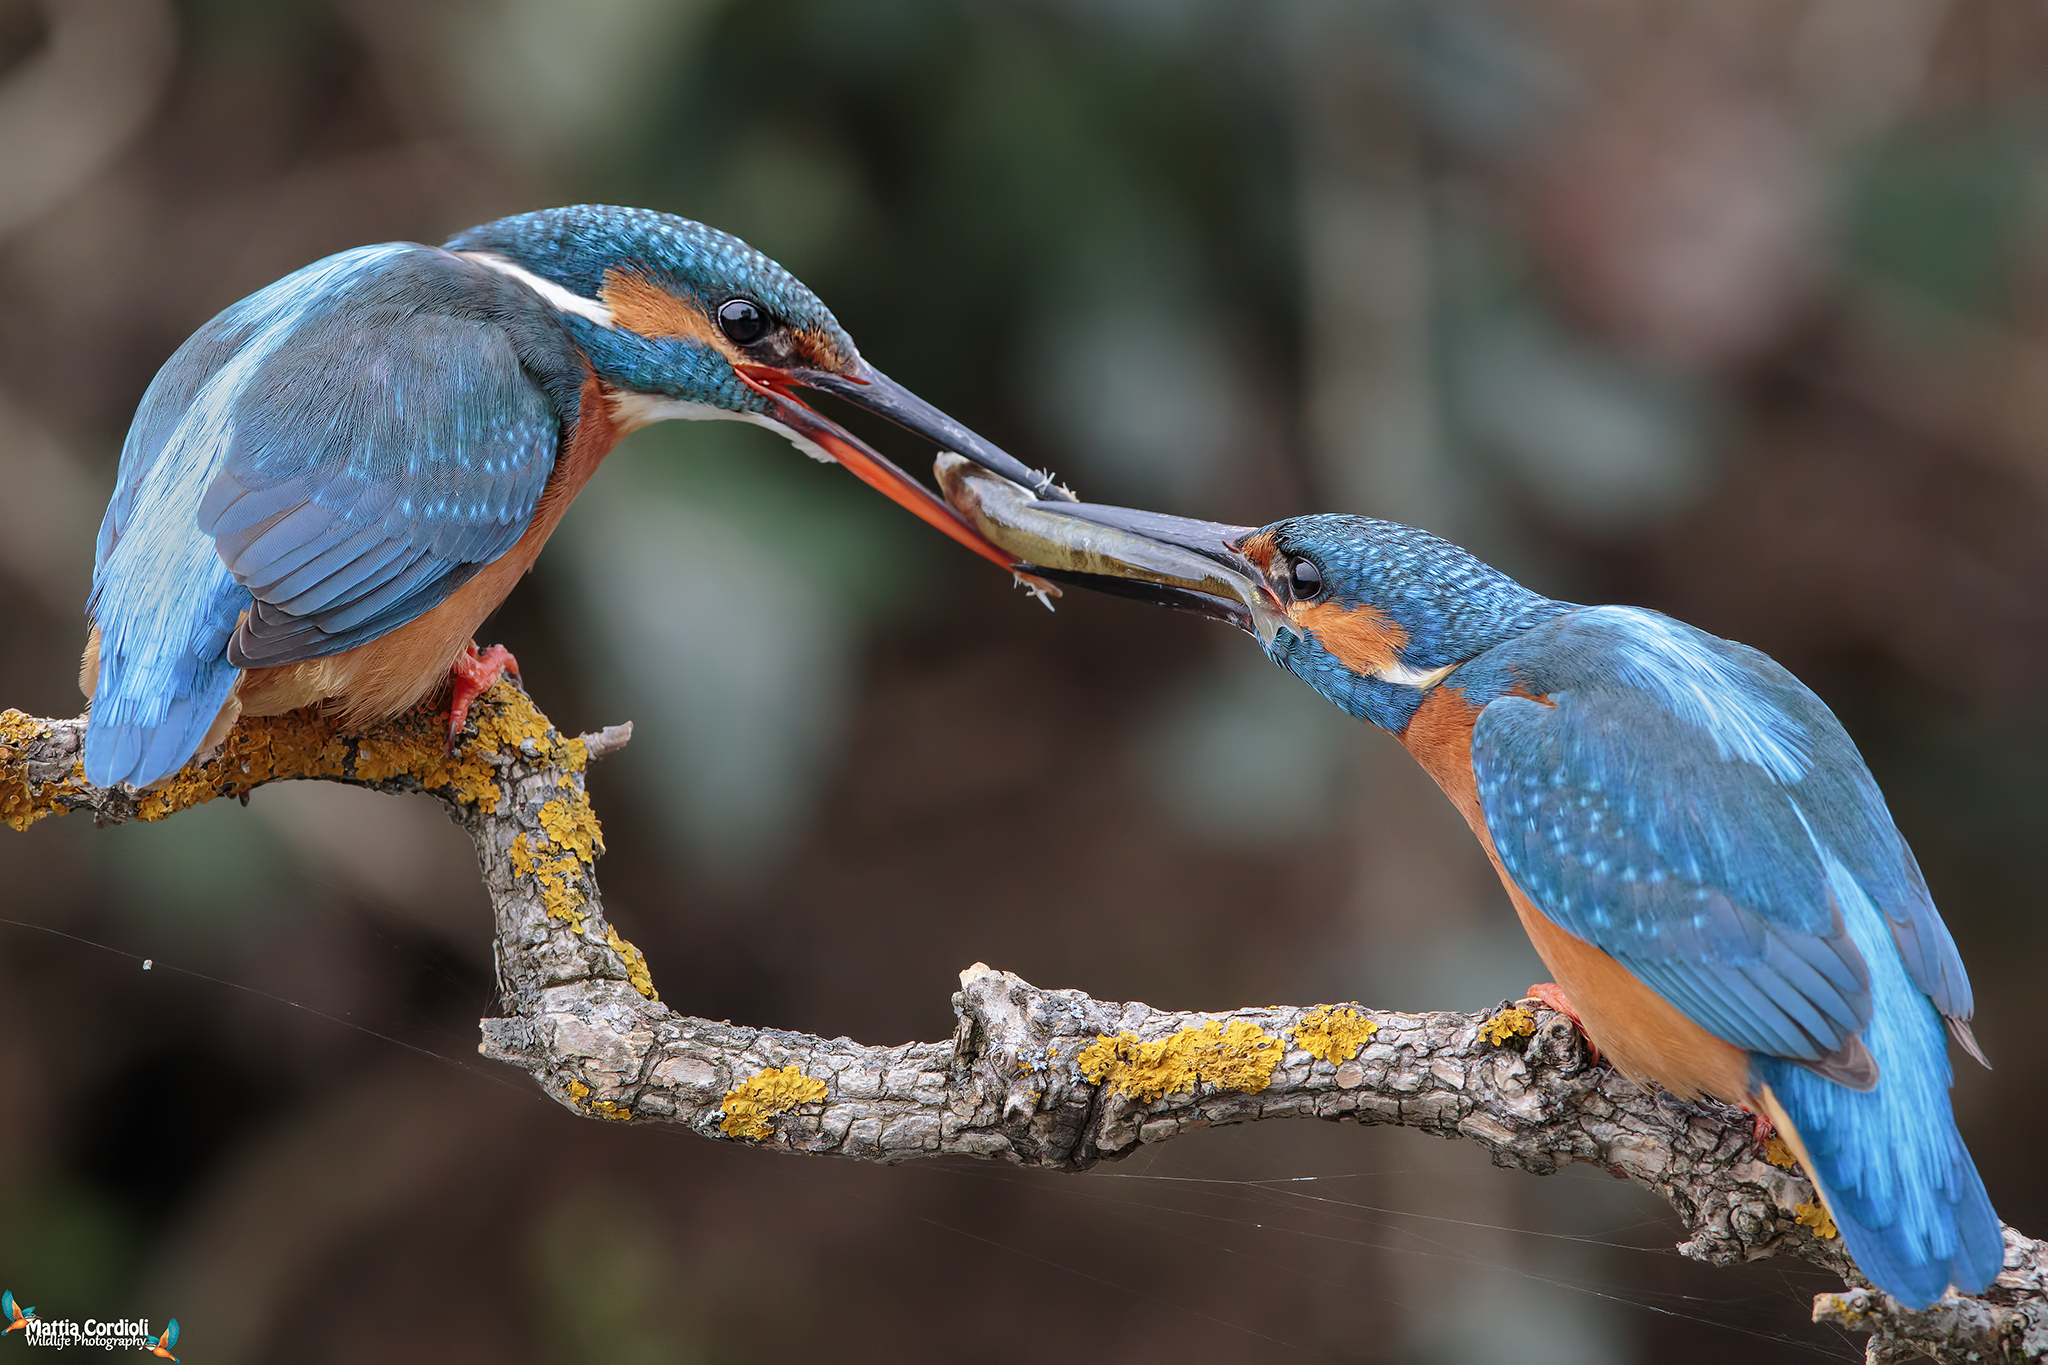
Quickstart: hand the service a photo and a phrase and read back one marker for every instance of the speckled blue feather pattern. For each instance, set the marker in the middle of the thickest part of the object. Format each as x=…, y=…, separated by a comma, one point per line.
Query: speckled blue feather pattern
x=577, y=247
x=1688, y=806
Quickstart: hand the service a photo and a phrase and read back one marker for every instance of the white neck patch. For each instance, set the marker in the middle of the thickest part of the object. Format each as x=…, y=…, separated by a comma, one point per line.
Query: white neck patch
x=566, y=300
x=1405, y=676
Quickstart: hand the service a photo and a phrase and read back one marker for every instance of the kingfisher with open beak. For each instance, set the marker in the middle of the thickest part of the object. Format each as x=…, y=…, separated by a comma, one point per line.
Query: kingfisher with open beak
x=331, y=484
x=1687, y=834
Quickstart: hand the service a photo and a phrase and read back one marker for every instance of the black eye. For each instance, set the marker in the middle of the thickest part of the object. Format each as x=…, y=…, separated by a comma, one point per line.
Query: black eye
x=743, y=321
x=1304, y=579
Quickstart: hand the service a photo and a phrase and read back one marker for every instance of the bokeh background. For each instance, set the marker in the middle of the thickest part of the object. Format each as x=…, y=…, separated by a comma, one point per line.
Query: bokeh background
x=1738, y=310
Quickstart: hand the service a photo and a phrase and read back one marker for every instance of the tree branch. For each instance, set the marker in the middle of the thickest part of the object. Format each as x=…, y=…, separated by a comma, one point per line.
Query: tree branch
x=1040, y=1078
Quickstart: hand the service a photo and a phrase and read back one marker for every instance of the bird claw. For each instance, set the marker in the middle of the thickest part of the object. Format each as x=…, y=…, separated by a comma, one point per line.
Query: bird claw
x=473, y=674
x=1762, y=1134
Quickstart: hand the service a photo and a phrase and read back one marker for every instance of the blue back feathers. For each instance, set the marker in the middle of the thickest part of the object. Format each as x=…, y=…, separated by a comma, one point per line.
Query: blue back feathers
x=1689, y=807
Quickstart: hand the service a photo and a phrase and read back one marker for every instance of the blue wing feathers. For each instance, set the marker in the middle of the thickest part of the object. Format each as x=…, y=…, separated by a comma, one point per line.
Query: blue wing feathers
x=1771, y=899
x=322, y=462
x=1730, y=878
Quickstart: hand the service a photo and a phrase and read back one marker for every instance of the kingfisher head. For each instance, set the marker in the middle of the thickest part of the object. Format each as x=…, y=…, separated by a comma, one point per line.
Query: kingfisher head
x=679, y=320
x=1372, y=614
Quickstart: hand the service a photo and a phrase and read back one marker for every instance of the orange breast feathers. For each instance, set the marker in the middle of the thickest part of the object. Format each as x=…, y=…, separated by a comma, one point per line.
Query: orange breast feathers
x=1644, y=1035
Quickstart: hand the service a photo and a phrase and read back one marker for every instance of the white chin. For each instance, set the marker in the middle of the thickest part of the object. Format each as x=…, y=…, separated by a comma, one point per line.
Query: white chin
x=632, y=411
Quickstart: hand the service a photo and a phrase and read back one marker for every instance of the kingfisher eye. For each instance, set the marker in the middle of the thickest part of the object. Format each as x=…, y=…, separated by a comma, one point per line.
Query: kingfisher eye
x=1304, y=579
x=743, y=321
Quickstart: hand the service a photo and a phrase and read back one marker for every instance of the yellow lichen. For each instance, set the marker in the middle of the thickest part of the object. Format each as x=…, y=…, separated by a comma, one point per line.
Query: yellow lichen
x=259, y=750
x=604, y=1109
x=313, y=743
x=1817, y=1217
x=556, y=875
x=1239, y=1056
x=572, y=824
x=1333, y=1034
x=637, y=974
x=1778, y=1154
x=1509, y=1023
x=21, y=805
x=749, y=1105
x=416, y=746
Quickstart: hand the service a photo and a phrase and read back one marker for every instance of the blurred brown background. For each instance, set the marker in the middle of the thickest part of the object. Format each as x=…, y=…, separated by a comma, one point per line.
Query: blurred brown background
x=1739, y=311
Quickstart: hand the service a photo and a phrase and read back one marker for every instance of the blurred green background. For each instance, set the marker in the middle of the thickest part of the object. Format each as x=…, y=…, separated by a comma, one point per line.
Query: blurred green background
x=1738, y=311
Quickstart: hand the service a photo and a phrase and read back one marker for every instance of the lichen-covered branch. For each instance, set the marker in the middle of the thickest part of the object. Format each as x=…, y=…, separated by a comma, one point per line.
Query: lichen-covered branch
x=1037, y=1077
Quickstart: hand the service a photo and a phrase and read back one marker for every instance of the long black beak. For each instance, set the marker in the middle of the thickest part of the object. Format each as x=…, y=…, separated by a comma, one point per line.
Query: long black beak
x=1167, y=561
x=879, y=394
x=875, y=392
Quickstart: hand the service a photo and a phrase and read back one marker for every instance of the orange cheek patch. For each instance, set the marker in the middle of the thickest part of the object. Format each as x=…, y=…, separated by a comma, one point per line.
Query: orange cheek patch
x=640, y=305
x=1363, y=640
x=820, y=353
x=1259, y=550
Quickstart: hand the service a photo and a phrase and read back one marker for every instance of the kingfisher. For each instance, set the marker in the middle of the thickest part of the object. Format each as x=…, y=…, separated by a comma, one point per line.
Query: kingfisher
x=329, y=486
x=1687, y=834
x=18, y=1318
x=161, y=1345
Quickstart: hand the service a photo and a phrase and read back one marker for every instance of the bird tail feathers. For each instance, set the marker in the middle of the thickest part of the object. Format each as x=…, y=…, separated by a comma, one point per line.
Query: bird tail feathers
x=141, y=734
x=1889, y=1161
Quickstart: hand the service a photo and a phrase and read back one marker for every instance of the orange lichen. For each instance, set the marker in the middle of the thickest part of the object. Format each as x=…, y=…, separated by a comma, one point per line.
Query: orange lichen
x=579, y=1093
x=637, y=974
x=749, y=1105
x=1238, y=1056
x=21, y=802
x=1778, y=1154
x=1817, y=1217
x=1509, y=1023
x=296, y=744
x=1333, y=1034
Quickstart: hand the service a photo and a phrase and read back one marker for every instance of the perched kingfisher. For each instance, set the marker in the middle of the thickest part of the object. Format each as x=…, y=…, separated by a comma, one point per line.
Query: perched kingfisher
x=1689, y=837
x=18, y=1318
x=331, y=484
x=161, y=1345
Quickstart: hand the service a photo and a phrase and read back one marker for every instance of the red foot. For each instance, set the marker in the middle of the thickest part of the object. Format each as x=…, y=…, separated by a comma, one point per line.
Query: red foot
x=1550, y=994
x=1761, y=1135
x=474, y=674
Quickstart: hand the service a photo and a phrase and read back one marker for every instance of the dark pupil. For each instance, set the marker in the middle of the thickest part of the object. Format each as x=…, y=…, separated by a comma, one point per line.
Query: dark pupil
x=742, y=321
x=1307, y=578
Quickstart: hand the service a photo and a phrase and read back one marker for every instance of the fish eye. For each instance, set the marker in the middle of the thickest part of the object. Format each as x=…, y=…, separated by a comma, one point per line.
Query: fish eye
x=743, y=321
x=1304, y=579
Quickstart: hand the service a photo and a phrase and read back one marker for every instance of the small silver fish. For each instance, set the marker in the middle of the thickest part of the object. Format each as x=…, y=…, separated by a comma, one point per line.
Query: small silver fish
x=1170, y=561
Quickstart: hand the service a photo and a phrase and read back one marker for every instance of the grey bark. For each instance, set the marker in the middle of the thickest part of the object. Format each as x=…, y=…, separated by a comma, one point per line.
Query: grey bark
x=1046, y=1078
